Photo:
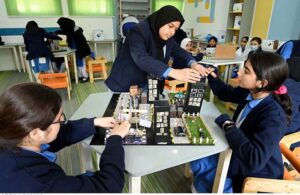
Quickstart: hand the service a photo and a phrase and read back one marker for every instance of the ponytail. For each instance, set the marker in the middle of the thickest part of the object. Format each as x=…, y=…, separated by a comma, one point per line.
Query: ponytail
x=286, y=103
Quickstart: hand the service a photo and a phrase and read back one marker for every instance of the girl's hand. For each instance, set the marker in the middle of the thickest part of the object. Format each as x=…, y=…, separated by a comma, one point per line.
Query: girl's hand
x=121, y=130
x=200, y=69
x=186, y=75
x=211, y=72
x=106, y=122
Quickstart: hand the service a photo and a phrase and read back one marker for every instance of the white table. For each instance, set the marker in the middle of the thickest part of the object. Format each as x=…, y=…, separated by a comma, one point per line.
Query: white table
x=143, y=160
x=65, y=55
x=106, y=41
x=13, y=47
x=217, y=63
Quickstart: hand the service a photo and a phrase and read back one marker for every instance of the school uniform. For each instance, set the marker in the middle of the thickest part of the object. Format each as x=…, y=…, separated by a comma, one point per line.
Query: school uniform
x=35, y=43
x=25, y=171
x=243, y=53
x=145, y=53
x=255, y=139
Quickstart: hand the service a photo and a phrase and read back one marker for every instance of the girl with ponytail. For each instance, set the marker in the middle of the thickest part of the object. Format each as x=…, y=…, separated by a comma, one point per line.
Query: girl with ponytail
x=259, y=122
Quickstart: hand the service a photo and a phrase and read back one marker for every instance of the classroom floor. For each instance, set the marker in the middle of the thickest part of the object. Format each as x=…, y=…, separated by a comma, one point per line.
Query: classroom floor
x=167, y=181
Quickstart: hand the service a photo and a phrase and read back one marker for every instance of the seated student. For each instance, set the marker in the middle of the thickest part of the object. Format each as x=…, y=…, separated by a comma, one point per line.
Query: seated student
x=290, y=49
x=255, y=45
x=33, y=127
x=187, y=45
x=258, y=124
x=212, y=42
x=242, y=53
x=244, y=49
x=34, y=39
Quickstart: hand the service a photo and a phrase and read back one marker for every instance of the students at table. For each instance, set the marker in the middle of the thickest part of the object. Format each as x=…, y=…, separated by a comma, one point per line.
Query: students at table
x=39, y=54
x=33, y=127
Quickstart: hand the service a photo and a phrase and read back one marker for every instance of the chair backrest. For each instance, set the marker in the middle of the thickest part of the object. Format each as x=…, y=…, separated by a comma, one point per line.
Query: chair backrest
x=254, y=185
x=55, y=81
x=294, y=68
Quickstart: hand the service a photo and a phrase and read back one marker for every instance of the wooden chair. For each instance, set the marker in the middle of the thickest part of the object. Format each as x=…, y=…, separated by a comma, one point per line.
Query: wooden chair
x=97, y=65
x=288, y=184
x=56, y=81
x=172, y=85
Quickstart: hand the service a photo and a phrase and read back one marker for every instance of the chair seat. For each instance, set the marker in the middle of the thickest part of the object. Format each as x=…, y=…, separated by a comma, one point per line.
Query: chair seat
x=56, y=83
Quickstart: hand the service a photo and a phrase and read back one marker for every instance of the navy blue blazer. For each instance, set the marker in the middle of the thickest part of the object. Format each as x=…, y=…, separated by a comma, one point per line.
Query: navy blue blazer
x=35, y=44
x=138, y=57
x=24, y=171
x=255, y=145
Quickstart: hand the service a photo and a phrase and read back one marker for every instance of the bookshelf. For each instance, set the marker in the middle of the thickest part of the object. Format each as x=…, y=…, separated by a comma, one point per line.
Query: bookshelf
x=239, y=20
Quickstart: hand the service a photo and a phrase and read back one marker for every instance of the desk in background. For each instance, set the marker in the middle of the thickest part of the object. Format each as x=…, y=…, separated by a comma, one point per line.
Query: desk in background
x=14, y=49
x=144, y=160
x=217, y=63
x=108, y=41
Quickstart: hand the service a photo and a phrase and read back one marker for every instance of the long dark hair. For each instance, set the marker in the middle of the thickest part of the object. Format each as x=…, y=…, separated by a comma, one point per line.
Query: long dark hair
x=273, y=68
x=24, y=107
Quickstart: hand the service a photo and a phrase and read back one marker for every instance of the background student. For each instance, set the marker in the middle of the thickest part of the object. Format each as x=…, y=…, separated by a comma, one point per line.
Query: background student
x=255, y=46
x=34, y=39
x=147, y=50
x=244, y=49
x=259, y=123
x=212, y=42
x=76, y=40
x=33, y=127
x=187, y=45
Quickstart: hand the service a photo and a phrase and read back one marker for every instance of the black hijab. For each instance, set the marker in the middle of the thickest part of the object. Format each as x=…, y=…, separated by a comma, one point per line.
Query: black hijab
x=157, y=20
x=160, y=18
x=66, y=24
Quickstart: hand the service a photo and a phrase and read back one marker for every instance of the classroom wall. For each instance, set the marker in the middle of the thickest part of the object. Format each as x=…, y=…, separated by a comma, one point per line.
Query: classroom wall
x=284, y=23
x=261, y=19
x=88, y=24
x=217, y=27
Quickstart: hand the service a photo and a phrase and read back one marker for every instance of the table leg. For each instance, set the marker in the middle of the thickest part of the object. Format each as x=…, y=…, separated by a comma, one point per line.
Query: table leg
x=222, y=169
x=135, y=184
x=211, y=96
x=95, y=49
x=16, y=59
x=29, y=70
x=21, y=58
x=68, y=70
x=75, y=68
x=113, y=51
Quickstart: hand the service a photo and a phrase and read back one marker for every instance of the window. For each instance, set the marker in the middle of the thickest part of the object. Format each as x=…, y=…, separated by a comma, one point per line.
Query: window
x=33, y=7
x=157, y=4
x=91, y=7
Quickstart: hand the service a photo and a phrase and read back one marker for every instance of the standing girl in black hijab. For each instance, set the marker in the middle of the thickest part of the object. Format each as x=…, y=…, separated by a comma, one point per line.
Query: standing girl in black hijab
x=147, y=49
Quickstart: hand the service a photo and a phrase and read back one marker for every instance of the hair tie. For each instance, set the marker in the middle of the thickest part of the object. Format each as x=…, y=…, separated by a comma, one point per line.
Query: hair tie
x=281, y=90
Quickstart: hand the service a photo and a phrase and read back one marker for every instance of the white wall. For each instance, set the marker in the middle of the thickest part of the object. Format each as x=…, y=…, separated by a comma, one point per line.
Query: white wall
x=191, y=13
x=88, y=24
